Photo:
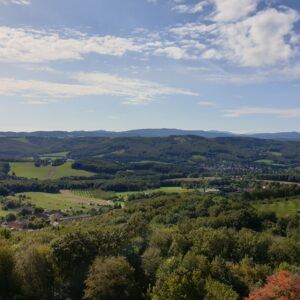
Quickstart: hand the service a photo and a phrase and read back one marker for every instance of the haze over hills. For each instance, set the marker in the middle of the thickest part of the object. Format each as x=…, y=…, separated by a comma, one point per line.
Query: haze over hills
x=163, y=132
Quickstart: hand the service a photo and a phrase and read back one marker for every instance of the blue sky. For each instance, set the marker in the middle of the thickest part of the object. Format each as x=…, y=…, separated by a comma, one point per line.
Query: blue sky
x=230, y=65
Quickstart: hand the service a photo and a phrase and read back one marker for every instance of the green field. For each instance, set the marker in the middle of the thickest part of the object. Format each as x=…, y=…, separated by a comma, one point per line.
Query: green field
x=54, y=155
x=152, y=162
x=198, y=158
x=189, y=179
x=97, y=194
x=168, y=190
x=29, y=170
x=264, y=161
x=269, y=162
x=278, y=154
x=282, y=207
x=63, y=201
x=4, y=213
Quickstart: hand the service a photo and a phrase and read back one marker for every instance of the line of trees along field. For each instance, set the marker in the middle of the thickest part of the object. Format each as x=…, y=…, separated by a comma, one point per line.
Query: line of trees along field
x=172, y=247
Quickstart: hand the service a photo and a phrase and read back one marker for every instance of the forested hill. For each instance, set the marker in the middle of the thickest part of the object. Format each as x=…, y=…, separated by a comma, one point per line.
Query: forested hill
x=163, y=132
x=168, y=149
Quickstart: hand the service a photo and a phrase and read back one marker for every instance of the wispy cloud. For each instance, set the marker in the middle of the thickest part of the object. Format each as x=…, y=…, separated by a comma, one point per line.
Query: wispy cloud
x=263, y=41
x=276, y=74
x=207, y=103
x=247, y=111
x=17, y=2
x=35, y=102
x=236, y=32
x=28, y=45
x=265, y=38
x=190, y=8
x=134, y=91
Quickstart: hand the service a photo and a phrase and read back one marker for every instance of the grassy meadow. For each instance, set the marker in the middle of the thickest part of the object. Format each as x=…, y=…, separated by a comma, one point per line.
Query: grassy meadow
x=65, y=200
x=281, y=208
x=168, y=190
x=56, y=155
x=29, y=170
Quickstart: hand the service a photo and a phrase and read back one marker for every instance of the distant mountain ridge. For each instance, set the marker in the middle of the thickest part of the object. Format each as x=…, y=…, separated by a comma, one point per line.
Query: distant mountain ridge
x=163, y=132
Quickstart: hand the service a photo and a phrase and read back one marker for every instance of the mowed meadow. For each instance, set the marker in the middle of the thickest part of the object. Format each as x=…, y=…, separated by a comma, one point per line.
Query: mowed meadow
x=29, y=170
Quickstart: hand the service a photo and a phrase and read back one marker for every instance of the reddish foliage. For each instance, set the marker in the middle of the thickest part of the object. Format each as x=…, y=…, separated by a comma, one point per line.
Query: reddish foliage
x=282, y=286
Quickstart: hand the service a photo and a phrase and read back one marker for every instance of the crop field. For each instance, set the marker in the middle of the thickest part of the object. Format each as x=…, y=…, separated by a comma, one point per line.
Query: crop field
x=63, y=201
x=29, y=170
x=282, y=207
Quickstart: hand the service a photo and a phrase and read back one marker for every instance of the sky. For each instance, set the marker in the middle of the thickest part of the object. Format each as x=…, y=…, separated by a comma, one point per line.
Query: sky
x=229, y=65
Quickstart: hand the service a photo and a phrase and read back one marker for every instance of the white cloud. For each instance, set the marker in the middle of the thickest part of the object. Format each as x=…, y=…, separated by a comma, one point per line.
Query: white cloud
x=246, y=111
x=207, y=103
x=18, y=2
x=233, y=10
x=267, y=38
x=172, y=52
x=192, y=30
x=223, y=10
x=235, y=32
x=35, y=102
x=263, y=39
x=135, y=91
x=190, y=8
x=35, y=46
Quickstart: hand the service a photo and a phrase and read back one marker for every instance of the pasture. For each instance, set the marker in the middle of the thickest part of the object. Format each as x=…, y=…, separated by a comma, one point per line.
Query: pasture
x=269, y=162
x=97, y=194
x=62, y=201
x=167, y=190
x=190, y=179
x=56, y=155
x=29, y=170
x=281, y=207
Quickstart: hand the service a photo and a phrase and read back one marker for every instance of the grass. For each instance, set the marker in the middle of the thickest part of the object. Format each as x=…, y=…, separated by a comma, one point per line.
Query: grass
x=281, y=207
x=4, y=213
x=264, y=161
x=198, y=158
x=189, y=179
x=29, y=170
x=269, y=162
x=277, y=154
x=97, y=194
x=54, y=155
x=168, y=190
x=63, y=201
x=152, y=162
